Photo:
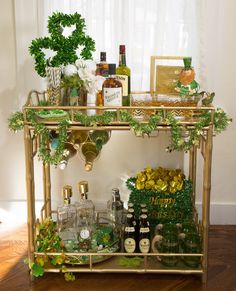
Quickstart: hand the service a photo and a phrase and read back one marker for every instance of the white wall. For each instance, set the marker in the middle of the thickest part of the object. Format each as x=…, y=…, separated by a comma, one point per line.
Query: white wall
x=124, y=154
x=218, y=44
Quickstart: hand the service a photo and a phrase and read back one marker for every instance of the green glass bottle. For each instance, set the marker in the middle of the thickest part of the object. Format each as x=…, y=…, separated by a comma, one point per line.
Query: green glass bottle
x=100, y=137
x=123, y=75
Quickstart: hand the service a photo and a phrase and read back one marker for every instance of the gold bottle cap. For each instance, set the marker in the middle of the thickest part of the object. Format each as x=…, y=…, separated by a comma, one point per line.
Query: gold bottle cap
x=67, y=191
x=83, y=187
x=88, y=167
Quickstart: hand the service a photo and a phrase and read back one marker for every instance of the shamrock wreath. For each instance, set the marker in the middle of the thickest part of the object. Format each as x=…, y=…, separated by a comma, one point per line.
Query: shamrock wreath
x=65, y=47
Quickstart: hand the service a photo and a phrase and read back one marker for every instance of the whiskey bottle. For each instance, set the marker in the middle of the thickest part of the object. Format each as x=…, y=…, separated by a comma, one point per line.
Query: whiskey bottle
x=68, y=152
x=89, y=154
x=144, y=234
x=123, y=75
x=102, y=67
x=66, y=218
x=112, y=89
x=129, y=235
x=100, y=137
x=85, y=217
x=101, y=70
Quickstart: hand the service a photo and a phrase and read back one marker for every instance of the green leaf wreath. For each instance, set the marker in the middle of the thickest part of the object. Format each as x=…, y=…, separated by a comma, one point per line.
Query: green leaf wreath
x=65, y=47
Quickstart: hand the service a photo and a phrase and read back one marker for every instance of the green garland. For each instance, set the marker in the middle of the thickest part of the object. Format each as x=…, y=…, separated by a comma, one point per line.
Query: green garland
x=16, y=122
x=178, y=140
x=65, y=47
x=105, y=118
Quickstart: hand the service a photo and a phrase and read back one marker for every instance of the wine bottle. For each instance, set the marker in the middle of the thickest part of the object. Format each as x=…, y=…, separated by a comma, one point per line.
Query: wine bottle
x=100, y=137
x=89, y=153
x=68, y=152
x=77, y=137
x=112, y=89
x=123, y=75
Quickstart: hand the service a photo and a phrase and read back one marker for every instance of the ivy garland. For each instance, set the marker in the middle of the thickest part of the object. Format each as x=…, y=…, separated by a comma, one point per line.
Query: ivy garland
x=105, y=118
x=65, y=47
x=16, y=122
x=178, y=141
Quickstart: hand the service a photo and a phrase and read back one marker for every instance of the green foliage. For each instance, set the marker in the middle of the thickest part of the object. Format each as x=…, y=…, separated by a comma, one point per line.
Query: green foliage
x=47, y=239
x=69, y=276
x=37, y=270
x=16, y=121
x=105, y=118
x=130, y=262
x=65, y=47
x=182, y=138
x=141, y=128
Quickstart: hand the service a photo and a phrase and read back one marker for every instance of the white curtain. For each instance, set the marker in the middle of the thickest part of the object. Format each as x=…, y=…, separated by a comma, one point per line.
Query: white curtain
x=146, y=27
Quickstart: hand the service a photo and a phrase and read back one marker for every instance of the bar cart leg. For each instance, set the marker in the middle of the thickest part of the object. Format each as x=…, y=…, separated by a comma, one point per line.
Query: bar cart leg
x=47, y=188
x=192, y=169
x=30, y=189
x=206, y=198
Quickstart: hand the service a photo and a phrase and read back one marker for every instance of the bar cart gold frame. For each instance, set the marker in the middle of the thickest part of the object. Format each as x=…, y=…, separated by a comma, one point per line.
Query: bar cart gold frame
x=150, y=264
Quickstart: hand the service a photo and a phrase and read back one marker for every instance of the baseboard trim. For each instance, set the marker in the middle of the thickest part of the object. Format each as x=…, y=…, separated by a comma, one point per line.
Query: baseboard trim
x=220, y=213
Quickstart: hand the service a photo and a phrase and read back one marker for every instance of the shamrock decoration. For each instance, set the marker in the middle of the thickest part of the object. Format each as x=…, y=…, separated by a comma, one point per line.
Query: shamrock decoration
x=65, y=47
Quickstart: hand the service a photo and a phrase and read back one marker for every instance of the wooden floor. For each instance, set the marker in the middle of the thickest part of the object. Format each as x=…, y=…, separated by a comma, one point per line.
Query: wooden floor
x=14, y=274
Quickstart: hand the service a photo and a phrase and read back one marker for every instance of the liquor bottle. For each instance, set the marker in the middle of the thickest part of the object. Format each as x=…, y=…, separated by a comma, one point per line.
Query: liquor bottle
x=85, y=217
x=115, y=210
x=129, y=235
x=100, y=137
x=77, y=137
x=89, y=153
x=123, y=75
x=66, y=217
x=144, y=234
x=102, y=67
x=68, y=152
x=112, y=89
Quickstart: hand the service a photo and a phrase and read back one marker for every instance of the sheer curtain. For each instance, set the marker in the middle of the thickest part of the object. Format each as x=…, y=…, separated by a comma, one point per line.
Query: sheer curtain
x=146, y=27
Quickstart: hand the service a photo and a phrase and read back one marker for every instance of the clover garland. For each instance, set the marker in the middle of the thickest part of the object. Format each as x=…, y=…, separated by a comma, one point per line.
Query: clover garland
x=178, y=140
x=64, y=46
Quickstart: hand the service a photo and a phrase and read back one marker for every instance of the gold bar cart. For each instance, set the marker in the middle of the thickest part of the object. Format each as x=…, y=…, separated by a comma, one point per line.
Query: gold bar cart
x=150, y=263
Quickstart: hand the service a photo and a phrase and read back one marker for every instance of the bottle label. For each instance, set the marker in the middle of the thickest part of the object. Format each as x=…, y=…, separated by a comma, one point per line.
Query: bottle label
x=129, y=229
x=130, y=245
x=124, y=81
x=144, y=230
x=144, y=245
x=112, y=96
